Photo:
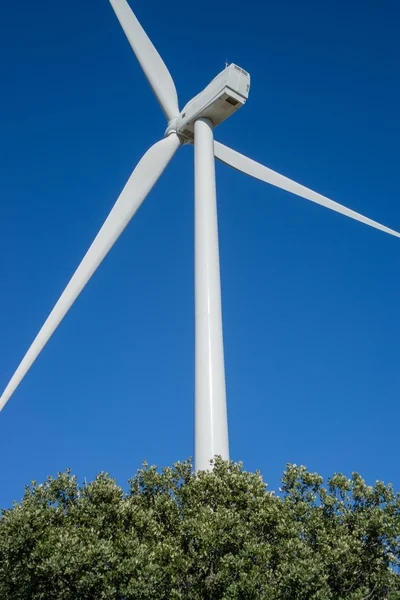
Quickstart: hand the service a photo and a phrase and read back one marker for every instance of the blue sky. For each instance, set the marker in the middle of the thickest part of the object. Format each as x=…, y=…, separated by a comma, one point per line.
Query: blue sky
x=310, y=298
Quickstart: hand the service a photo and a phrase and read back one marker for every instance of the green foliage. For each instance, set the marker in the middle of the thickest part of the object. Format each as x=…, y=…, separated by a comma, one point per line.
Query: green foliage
x=219, y=535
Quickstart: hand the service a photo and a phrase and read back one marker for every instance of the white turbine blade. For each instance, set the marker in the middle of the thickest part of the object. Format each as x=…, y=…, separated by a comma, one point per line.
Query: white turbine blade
x=254, y=169
x=151, y=62
x=139, y=185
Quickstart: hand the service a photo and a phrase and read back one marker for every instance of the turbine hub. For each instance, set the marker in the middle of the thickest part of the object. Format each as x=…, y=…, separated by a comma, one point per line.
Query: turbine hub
x=171, y=127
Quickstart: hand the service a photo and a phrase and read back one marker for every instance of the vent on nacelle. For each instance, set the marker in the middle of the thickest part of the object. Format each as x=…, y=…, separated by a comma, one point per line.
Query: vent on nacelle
x=231, y=101
x=187, y=133
x=241, y=70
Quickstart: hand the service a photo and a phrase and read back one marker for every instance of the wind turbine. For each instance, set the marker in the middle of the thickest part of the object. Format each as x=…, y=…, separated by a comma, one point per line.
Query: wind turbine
x=193, y=125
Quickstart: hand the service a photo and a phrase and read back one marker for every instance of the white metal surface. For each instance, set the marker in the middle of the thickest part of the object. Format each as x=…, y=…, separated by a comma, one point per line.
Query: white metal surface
x=151, y=62
x=254, y=169
x=226, y=93
x=211, y=424
x=137, y=188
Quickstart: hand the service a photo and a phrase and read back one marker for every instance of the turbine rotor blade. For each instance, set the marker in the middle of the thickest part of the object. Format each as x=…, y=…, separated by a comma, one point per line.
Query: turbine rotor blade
x=142, y=180
x=254, y=169
x=151, y=62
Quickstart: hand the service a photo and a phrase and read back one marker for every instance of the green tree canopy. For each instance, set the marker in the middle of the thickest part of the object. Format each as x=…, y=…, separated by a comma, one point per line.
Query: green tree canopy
x=218, y=535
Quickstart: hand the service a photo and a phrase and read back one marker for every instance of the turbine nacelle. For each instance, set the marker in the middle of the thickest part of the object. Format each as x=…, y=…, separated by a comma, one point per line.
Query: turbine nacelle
x=226, y=93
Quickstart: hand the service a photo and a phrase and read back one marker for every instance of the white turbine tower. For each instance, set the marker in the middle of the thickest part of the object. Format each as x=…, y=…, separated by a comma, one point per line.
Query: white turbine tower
x=193, y=125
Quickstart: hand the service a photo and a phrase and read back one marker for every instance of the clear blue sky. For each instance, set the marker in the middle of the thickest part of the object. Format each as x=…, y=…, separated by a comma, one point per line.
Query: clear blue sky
x=310, y=298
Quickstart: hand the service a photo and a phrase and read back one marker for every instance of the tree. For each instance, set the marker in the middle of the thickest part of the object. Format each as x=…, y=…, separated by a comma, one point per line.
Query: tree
x=218, y=535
